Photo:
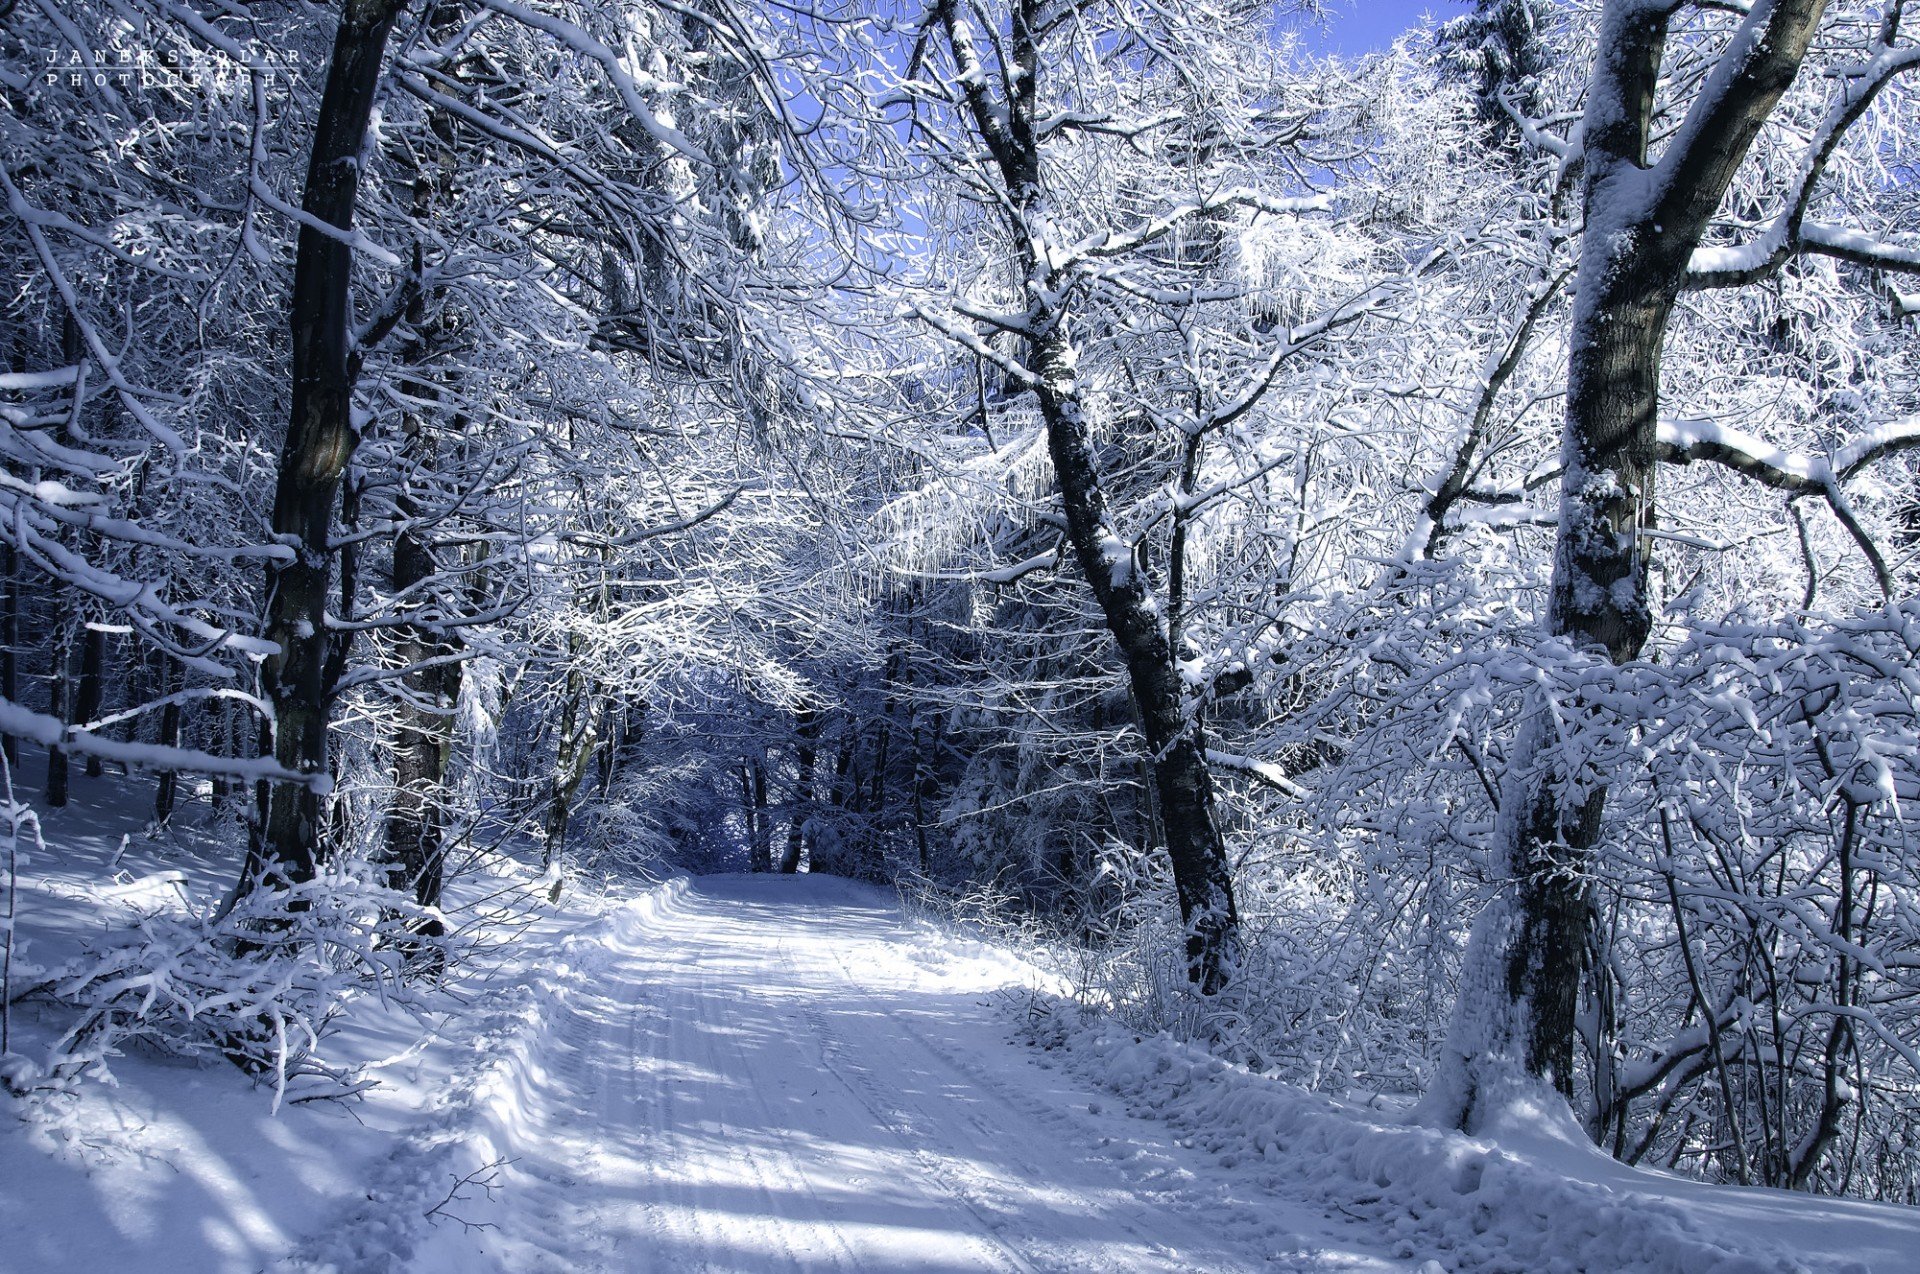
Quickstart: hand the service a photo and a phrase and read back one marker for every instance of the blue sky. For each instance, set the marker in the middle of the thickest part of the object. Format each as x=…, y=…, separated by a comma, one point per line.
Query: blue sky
x=1360, y=26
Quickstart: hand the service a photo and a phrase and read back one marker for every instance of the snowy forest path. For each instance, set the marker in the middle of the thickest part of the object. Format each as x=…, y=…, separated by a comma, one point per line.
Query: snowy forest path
x=781, y=1073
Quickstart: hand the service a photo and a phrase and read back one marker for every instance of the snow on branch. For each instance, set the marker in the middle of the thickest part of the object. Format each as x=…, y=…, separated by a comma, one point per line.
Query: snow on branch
x=974, y=344
x=51, y=732
x=31, y=219
x=630, y=84
x=1109, y=243
x=356, y=239
x=1017, y=571
x=1683, y=442
x=1263, y=771
x=1790, y=233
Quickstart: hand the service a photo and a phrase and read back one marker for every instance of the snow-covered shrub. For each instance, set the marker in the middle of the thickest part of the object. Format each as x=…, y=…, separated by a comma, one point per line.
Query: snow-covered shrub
x=1750, y=1001
x=1751, y=1009
x=258, y=982
x=656, y=818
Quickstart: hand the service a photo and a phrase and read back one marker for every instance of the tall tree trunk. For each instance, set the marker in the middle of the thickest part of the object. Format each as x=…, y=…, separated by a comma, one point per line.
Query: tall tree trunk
x=67, y=600
x=579, y=721
x=10, y=647
x=873, y=865
x=91, y=691
x=613, y=733
x=753, y=796
x=60, y=698
x=338, y=805
x=1513, y=1030
x=429, y=690
x=829, y=852
x=320, y=441
x=806, y=730
x=1181, y=780
x=926, y=786
x=223, y=738
x=166, y=785
x=424, y=705
x=1182, y=784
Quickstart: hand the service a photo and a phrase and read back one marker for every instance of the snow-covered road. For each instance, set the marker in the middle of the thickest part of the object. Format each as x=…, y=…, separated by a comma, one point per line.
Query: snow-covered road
x=783, y=1074
x=750, y=1074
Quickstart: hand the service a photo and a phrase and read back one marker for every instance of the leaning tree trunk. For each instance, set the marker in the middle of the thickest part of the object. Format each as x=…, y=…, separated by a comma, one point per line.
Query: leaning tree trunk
x=1181, y=781
x=319, y=443
x=1009, y=127
x=1513, y=1030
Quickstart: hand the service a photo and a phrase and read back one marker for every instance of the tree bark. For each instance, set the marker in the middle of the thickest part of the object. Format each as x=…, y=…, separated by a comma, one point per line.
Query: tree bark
x=806, y=730
x=167, y=783
x=424, y=705
x=59, y=697
x=91, y=691
x=321, y=438
x=1182, y=782
x=753, y=796
x=579, y=719
x=1514, y=1024
x=10, y=648
x=429, y=690
x=1177, y=755
x=217, y=725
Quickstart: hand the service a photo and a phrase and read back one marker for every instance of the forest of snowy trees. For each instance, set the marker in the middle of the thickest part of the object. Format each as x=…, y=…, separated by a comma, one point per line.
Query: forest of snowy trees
x=1401, y=571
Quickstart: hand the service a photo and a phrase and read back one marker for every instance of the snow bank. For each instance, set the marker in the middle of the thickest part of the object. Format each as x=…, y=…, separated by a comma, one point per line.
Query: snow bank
x=415, y=1215
x=1525, y=1206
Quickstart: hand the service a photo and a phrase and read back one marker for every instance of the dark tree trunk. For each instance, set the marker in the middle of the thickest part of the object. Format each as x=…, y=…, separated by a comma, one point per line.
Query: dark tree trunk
x=873, y=864
x=579, y=721
x=1182, y=784
x=60, y=688
x=613, y=733
x=807, y=729
x=320, y=441
x=223, y=739
x=1514, y=1026
x=59, y=699
x=91, y=692
x=338, y=804
x=829, y=849
x=1181, y=780
x=430, y=689
x=753, y=795
x=925, y=787
x=166, y=785
x=423, y=735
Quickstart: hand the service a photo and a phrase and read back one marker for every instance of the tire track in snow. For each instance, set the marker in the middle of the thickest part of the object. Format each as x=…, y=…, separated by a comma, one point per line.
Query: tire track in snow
x=801, y=1171
x=1020, y=1108
x=784, y=1236
x=835, y=1061
x=1003, y=1116
x=754, y=1075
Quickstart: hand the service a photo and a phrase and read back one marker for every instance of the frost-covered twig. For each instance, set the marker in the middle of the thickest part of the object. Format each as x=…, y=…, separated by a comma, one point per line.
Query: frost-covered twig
x=487, y=1177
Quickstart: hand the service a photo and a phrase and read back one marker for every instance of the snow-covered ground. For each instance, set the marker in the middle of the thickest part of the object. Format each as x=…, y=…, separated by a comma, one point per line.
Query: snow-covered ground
x=763, y=1073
